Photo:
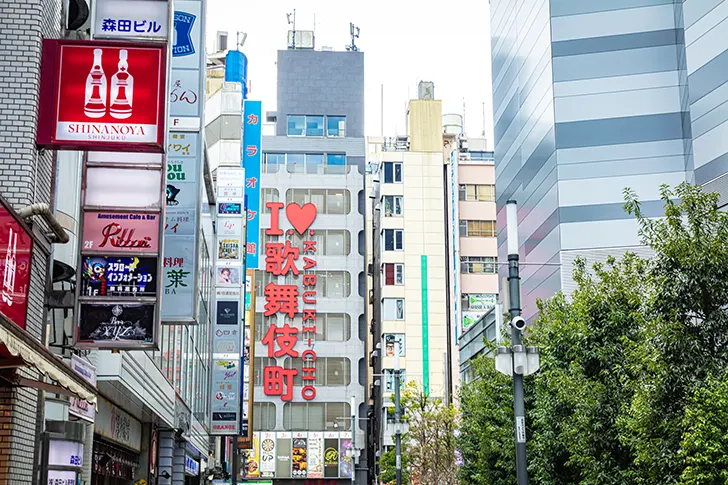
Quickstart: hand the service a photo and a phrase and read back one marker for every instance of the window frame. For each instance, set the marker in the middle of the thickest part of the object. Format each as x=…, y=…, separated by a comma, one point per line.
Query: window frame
x=322, y=126
x=467, y=262
x=397, y=273
x=393, y=205
x=394, y=166
x=338, y=129
x=394, y=233
x=288, y=125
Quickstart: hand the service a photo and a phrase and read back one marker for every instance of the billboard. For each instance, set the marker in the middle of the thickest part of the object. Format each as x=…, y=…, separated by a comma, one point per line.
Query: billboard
x=104, y=95
x=16, y=252
x=252, y=156
x=228, y=330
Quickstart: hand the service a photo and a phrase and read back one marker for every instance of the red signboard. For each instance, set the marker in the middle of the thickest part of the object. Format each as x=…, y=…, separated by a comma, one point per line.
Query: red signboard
x=16, y=249
x=102, y=95
x=126, y=232
x=280, y=260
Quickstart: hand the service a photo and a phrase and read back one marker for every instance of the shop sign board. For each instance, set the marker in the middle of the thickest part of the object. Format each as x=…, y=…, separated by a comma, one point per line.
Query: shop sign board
x=103, y=95
x=16, y=252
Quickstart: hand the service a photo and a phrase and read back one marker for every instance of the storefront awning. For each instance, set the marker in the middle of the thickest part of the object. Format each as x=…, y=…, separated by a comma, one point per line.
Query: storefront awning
x=30, y=352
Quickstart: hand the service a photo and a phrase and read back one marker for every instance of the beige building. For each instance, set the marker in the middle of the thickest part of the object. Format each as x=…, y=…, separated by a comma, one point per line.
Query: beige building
x=414, y=249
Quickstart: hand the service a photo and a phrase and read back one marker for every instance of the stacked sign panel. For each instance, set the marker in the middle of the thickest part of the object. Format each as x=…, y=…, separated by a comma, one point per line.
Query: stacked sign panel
x=185, y=149
x=108, y=98
x=110, y=95
x=228, y=372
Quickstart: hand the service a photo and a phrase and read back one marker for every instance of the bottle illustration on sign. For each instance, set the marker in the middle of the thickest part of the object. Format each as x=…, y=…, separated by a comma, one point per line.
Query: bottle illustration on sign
x=9, y=273
x=122, y=89
x=96, y=85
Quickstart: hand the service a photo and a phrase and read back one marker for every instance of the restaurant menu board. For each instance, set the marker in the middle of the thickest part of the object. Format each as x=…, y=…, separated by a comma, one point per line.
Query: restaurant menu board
x=119, y=276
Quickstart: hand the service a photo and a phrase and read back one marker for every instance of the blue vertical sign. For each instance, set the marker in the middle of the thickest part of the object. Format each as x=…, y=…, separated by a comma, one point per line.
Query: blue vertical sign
x=252, y=153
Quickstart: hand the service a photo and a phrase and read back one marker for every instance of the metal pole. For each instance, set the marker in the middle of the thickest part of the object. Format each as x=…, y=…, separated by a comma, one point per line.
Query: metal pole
x=353, y=440
x=514, y=291
x=236, y=461
x=397, y=414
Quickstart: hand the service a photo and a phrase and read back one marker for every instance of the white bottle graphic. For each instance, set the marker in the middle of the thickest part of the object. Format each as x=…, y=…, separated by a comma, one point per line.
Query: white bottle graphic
x=9, y=273
x=95, y=106
x=122, y=89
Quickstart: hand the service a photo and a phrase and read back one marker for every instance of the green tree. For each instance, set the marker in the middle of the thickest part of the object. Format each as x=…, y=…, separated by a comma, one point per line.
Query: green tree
x=580, y=388
x=704, y=444
x=626, y=393
x=486, y=440
x=686, y=338
x=388, y=467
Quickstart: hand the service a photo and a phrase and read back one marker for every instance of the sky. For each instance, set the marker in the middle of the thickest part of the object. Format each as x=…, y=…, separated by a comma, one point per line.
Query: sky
x=404, y=42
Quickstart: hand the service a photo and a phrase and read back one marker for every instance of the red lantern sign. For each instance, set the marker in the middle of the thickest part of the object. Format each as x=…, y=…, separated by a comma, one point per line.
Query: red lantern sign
x=103, y=95
x=280, y=260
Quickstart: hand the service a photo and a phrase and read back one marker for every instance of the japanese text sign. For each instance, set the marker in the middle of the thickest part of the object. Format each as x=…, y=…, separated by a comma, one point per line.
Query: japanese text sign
x=282, y=259
x=131, y=19
x=102, y=95
x=16, y=251
x=252, y=139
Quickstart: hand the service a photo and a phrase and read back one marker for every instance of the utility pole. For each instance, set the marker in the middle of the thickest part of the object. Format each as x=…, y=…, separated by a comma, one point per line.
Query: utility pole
x=517, y=361
x=397, y=413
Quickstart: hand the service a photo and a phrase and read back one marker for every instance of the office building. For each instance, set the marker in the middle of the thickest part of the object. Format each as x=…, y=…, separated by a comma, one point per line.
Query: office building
x=313, y=175
x=432, y=253
x=590, y=98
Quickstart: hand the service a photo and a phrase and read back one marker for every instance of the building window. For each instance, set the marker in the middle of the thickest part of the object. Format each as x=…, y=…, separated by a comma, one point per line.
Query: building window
x=327, y=201
x=390, y=342
x=316, y=163
x=393, y=309
x=273, y=162
x=329, y=242
x=296, y=125
x=329, y=284
x=309, y=416
x=389, y=379
x=268, y=195
x=392, y=172
x=330, y=371
x=265, y=416
x=478, y=265
x=393, y=205
x=262, y=279
x=480, y=193
x=330, y=327
x=393, y=274
x=477, y=228
x=393, y=239
x=260, y=363
x=336, y=126
x=314, y=125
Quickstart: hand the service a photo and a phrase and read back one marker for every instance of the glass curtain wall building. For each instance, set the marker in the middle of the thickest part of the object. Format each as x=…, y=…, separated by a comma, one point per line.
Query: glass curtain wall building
x=589, y=98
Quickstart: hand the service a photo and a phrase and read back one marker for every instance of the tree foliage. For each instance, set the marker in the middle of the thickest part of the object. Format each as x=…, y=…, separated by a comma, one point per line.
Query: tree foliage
x=428, y=443
x=632, y=387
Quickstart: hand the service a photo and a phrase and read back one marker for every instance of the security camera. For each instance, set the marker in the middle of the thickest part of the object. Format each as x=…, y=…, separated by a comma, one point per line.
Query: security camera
x=519, y=323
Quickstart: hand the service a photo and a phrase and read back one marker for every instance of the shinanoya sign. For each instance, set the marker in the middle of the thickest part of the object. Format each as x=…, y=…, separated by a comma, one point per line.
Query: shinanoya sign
x=280, y=260
x=104, y=95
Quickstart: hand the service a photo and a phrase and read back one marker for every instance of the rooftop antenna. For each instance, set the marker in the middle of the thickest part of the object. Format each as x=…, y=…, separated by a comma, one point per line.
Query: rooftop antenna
x=292, y=22
x=462, y=129
x=483, y=119
x=354, y=32
x=241, y=37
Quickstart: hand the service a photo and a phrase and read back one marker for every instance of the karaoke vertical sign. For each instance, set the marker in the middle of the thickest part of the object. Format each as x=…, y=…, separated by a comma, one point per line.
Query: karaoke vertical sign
x=252, y=156
x=228, y=370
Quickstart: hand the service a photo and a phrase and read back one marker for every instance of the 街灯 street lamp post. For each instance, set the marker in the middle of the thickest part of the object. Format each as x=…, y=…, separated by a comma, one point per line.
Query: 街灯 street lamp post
x=397, y=414
x=517, y=361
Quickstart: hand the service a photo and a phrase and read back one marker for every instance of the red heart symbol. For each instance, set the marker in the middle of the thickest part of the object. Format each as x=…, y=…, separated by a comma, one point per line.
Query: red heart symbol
x=301, y=218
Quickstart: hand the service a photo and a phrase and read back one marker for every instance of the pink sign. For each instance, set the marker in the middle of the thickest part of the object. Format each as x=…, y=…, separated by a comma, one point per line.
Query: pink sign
x=126, y=232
